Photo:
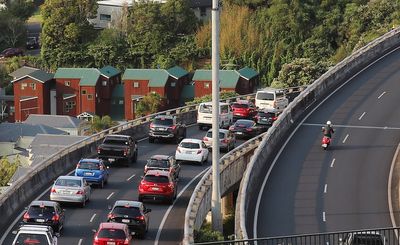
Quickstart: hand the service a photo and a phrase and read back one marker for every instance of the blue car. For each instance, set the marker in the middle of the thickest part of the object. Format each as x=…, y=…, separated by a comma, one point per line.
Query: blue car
x=93, y=171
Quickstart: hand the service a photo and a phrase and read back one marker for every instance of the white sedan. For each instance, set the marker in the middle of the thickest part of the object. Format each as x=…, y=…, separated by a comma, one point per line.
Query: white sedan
x=192, y=150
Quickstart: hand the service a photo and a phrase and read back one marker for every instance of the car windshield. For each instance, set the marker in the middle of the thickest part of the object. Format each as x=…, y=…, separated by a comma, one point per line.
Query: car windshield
x=163, y=121
x=221, y=135
x=158, y=163
x=89, y=165
x=129, y=211
x=265, y=96
x=115, y=142
x=239, y=105
x=111, y=233
x=243, y=123
x=205, y=108
x=31, y=239
x=156, y=179
x=366, y=239
x=190, y=145
x=37, y=210
x=68, y=182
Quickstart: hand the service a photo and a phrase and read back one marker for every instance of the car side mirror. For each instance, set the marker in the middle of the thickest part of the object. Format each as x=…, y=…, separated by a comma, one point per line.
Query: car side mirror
x=94, y=230
x=148, y=210
x=14, y=232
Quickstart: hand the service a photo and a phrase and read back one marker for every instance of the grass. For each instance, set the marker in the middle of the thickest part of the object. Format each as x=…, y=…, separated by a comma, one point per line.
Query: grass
x=36, y=17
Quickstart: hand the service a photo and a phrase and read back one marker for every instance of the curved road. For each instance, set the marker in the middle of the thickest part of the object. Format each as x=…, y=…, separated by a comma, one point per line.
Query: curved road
x=311, y=190
x=122, y=184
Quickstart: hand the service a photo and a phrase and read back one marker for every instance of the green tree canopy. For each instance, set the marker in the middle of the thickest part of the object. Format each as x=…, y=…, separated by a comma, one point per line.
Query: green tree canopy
x=149, y=104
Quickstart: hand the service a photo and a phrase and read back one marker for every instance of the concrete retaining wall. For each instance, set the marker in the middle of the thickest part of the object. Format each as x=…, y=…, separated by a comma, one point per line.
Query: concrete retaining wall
x=272, y=142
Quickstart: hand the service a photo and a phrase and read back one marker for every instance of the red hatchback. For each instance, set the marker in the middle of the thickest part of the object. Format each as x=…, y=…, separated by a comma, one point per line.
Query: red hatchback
x=243, y=109
x=112, y=234
x=157, y=184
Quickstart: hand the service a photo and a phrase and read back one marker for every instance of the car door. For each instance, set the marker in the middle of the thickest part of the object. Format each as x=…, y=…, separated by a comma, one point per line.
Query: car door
x=205, y=149
x=175, y=166
x=87, y=189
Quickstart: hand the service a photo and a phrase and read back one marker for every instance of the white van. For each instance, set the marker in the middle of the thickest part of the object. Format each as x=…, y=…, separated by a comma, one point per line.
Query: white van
x=271, y=98
x=204, y=115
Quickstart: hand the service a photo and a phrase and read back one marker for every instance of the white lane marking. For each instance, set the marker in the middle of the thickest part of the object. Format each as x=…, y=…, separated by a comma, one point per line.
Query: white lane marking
x=294, y=131
x=22, y=213
x=361, y=116
x=323, y=216
x=396, y=154
x=325, y=188
x=109, y=196
x=91, y=219
x=80, y=241
x=327, y=243
x=171, y=206
x=381, y=95
x=333, y=162
x=130, y=177
x=351, y=126
x=345, y=138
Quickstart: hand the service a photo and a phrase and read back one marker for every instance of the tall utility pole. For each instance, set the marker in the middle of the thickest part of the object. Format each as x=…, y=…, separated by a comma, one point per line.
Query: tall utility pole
x=216, y=195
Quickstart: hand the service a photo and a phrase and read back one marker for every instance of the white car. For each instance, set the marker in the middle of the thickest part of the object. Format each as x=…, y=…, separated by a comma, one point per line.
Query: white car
x=70, y=189
x=226, y=139
x=192, y=150
x=35, y=234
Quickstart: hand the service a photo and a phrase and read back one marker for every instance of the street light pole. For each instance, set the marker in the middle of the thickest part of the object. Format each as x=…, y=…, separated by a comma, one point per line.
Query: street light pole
x=216, y=195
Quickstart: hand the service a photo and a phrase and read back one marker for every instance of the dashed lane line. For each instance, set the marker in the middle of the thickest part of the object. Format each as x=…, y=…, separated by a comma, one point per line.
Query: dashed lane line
x=345, y=138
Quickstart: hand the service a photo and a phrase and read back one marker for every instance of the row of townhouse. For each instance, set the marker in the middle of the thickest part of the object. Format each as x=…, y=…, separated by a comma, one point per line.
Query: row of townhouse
x=84, y=92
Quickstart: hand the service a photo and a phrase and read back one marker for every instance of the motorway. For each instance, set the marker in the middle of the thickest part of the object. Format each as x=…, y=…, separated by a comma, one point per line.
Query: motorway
x=166, y=222
x=310, y=190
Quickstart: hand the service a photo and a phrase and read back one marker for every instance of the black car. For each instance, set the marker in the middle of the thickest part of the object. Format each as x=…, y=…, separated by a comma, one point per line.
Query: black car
x=117, y=147
x=244, y=128
x=32, y=43
x=165, y=163
x=166, y=127
x=11, y=52
x=266, y=117
x=132, y=213
x=45, y=213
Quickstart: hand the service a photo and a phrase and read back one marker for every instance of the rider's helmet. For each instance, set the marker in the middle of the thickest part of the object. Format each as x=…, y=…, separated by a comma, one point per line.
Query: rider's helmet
x=328, y=123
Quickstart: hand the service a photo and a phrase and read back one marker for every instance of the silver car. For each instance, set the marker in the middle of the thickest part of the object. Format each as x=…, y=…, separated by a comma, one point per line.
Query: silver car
x=70, y=189
x=226, y=139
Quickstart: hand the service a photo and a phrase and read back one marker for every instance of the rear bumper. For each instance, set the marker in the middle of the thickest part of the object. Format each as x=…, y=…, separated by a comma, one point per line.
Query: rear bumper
x=65, y=198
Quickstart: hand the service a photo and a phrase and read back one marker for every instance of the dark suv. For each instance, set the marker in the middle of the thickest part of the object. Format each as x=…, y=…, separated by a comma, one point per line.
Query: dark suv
x=164, y=163
x=166, y=127
x=132, y=213
x=45, y=213
x=266, y=117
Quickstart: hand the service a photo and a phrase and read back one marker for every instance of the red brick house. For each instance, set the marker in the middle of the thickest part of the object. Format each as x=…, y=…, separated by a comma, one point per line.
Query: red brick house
x=244, y=81
x=85, y=90
x=31, y=92
x=139, y=82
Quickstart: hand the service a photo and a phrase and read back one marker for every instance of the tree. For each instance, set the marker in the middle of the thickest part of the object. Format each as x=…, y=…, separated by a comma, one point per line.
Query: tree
x=12, y=30
x=22, y=9
x=180, y=19
x=99, y=124
x=7, y=170
x=149, y=104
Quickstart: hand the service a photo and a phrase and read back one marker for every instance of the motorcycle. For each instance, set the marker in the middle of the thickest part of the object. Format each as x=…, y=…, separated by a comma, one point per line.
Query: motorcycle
x=325, y=142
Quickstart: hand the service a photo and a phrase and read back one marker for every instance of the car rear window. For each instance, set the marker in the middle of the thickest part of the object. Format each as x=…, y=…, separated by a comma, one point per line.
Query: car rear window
x=265, y=96
x=111, y=233
x=158, y=163
x=115, y=141
x=89, y=165
x=156, y=179
x=190, y=145
x=163, y=121
x=36, y=210
x=367, y=239
x=68, y=182
x=243, y=123
x=130, y=211
x=31, y=239
x=205, y=108
x=221, y=135
x=238, y=105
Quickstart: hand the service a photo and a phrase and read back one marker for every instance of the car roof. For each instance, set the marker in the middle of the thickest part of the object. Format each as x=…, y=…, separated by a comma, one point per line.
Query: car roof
x=123, y=203
x=210, y=103
x=117, y=136
x=69, y=177
x=44, y=203
x=112, y=225
x=160, y=157
x=242, y=102
x=270, y=90
x=189, y=140
x=221, y=130
x=157, y=172
x=41, y=228
x=90, y=160
x=165, y=116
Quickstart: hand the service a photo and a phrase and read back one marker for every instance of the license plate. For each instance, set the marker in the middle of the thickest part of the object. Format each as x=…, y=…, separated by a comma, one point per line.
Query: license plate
x=324, y=145
x=264, y=119
x=111, y=159
x=110, y=243
x=155, y=188
x=162, y=129
x=125, y=220
x=66, y=192
x=88, y=174
x=239, y=132
x=40, y=220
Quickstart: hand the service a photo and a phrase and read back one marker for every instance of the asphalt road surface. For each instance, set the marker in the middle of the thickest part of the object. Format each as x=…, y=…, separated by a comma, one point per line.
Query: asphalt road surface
x=346, y=187
x=166, y=222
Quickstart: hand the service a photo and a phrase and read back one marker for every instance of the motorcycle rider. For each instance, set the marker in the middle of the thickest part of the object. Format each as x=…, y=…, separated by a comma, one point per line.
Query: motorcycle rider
x=328, y=129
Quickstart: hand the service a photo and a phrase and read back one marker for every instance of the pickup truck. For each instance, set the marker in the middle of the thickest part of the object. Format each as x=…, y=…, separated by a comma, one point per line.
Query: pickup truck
x=117, y=147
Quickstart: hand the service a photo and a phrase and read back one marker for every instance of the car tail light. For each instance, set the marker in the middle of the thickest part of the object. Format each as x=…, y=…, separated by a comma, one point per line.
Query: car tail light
x=53, y=190
x=172, y=127
x=178, y=149
x=80, y=192
x=151, y=125
x=140, y=217
x=224, y=141
x=110, y=216
x=101, y=167
x=205, y=139
x=126, y=151
x=249, y=129
x=274, y=118
x=56, y=217
x=126, y=242
x=199, y=151
x=26, y=216
x=96, y=240
x=98, y=150
x=231, y=127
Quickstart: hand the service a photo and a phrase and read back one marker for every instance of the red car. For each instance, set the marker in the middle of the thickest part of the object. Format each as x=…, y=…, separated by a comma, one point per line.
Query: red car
x=11, y=52
x=112, y=233
x=243, y=109
x=157, y=184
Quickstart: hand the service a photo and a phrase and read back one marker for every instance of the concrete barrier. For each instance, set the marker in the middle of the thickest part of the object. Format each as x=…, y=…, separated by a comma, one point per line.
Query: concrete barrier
x=292, y=115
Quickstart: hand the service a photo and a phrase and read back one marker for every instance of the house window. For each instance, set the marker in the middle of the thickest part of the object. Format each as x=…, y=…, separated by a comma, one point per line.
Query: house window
x=206, y=85
x=33, y=86
x=69, y=105
x=23, y=86
x=84, y=91
x=121, y=102
x=67, y=83
x=105, y=17
x=90, y=96
x=104, y=83
x=203, y=11
x=12, y=109
x=136, y=85
x=173, y=84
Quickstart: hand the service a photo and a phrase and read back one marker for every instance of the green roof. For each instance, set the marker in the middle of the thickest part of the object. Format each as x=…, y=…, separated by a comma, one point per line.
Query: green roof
x=23, y=71
x=36, y=74
x=248, y=73
x=177, y=72
x=87, y=76
x=228, y=78
x=156, y=77
x=109, y=71
x=187, y=92
x=41, y=75
x=118, y=91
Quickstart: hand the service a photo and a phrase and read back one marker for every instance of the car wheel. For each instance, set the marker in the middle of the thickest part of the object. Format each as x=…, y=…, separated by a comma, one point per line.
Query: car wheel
x=151, y=140
x=177, y=139
x=83, y=204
